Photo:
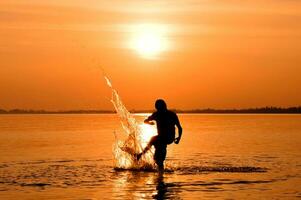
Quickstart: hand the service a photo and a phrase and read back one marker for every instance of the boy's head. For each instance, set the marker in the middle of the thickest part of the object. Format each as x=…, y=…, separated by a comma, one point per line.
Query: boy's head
x=160, y=105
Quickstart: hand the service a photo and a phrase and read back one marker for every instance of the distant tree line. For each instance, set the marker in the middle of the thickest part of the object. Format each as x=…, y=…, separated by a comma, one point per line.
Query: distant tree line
x=208, y=110
x=246, y=110
x=24, y=111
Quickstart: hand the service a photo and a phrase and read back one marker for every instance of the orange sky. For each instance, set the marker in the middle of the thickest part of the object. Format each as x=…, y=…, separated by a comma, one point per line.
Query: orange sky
x=221, y=54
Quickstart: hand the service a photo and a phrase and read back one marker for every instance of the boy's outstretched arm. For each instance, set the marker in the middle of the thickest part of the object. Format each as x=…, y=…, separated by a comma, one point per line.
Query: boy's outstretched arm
x=149, y=120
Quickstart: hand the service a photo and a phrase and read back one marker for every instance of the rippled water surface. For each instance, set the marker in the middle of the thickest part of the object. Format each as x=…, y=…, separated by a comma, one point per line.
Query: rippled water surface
x=219, y=157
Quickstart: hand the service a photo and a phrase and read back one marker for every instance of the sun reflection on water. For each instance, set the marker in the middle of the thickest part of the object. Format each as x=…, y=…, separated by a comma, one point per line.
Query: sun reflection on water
x=148, y=131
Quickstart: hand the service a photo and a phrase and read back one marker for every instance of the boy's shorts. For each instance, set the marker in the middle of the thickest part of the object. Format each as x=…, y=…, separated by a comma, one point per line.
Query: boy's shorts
x=160, y=150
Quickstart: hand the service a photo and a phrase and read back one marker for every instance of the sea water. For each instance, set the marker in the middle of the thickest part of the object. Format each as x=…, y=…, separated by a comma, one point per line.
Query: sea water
x=70, y=156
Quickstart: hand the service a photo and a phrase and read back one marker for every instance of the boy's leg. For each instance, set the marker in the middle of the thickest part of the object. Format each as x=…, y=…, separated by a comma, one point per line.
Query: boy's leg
x=152, y=141
x=159, y=157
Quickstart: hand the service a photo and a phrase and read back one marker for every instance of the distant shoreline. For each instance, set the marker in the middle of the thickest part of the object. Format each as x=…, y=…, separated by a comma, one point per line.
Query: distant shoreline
x=263, y=110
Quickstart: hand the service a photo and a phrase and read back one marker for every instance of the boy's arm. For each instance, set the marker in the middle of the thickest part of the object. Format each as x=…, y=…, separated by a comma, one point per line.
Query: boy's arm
x=177, y=140
x=150, y=119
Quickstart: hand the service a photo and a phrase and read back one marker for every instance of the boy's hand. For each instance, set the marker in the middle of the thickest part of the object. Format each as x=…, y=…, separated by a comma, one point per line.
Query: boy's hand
x=149, y=122
x=177, y=140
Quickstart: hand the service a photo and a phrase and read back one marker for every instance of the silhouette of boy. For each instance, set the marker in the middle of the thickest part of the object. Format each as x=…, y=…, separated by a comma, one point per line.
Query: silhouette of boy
x=166, y=121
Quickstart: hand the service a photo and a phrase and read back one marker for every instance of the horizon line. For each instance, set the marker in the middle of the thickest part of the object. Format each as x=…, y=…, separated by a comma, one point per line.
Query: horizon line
x=266, y=109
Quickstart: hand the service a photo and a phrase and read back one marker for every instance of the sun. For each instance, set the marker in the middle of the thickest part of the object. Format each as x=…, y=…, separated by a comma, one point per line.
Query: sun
x=149, y=40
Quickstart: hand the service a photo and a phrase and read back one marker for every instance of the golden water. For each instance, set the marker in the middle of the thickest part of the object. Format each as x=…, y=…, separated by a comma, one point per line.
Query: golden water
x=219, y=157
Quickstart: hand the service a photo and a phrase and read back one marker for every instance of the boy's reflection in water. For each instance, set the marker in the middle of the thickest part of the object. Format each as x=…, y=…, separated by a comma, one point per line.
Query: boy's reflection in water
x=166, y=190
x=161, y=188
x=144, y=185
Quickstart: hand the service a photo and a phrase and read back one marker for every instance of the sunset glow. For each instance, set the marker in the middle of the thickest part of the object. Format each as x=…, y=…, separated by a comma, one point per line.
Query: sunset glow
x=149, y=40
x=195, y=54
x=149, y=99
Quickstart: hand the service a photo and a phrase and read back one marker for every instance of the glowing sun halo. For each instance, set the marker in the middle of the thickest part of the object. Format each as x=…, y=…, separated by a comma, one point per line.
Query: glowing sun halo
x=149, y=40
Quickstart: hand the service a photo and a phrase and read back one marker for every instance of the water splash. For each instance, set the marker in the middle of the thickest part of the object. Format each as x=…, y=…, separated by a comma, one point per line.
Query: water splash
x=123, y=150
